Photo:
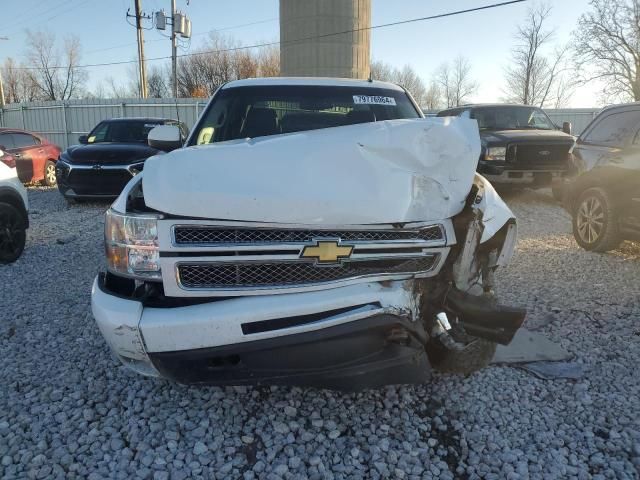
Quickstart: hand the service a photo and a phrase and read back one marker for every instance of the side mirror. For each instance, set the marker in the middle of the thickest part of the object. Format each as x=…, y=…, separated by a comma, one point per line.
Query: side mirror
x=567, y=128
x=83, y=139
x=2, y=149
x=165, y=138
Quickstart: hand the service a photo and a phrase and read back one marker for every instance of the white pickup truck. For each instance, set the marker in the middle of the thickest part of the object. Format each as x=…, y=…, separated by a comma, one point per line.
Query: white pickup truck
x=313, y=232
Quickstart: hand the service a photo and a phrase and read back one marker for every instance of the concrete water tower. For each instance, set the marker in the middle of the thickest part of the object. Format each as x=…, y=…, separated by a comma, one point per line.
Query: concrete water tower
x=346, y=55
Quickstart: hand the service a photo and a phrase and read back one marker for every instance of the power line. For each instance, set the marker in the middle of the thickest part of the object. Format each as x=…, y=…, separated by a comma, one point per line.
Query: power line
x=38, y=15
x=300, y=40
x=194, y=35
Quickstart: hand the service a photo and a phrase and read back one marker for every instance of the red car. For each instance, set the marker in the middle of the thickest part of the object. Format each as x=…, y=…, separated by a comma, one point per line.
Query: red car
x=35, y=157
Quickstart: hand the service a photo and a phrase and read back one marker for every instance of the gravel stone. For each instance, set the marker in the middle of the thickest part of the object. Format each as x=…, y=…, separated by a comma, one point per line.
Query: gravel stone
x=79, y=414
x=200, y=448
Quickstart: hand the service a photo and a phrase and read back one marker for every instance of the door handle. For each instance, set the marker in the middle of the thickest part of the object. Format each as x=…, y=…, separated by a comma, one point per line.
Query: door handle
x=17, y=155
x=41, y=150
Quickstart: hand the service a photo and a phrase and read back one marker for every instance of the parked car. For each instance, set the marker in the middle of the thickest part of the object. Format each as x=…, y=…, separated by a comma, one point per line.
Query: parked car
x=34, y=155
x=521, y=146
x=603, y=193
x=14, y=219
x=312, y=232
x=107, y=158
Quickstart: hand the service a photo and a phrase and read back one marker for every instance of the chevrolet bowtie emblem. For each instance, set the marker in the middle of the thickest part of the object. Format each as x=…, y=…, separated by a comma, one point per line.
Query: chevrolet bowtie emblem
x=327, y=251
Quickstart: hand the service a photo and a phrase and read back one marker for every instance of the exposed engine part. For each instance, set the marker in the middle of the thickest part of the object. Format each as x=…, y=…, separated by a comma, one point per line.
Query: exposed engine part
x=443, y=320
x=441, y=330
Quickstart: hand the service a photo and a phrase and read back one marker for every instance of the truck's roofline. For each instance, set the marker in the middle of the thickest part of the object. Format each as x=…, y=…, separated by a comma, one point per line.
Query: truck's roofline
x=311, y=81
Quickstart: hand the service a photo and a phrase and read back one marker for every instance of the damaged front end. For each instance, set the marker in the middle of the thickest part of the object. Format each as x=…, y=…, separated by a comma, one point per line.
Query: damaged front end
x=461, y=309
x=323, y=290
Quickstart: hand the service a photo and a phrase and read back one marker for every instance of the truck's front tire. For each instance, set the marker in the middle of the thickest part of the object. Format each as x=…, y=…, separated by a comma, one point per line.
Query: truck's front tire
x=475, y=356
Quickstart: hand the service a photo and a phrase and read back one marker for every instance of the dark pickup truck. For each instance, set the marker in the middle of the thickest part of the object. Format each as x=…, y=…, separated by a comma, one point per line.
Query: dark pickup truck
x=520, y=144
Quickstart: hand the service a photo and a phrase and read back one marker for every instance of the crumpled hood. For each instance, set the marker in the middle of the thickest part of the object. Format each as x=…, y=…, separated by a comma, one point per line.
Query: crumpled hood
x=385, y=172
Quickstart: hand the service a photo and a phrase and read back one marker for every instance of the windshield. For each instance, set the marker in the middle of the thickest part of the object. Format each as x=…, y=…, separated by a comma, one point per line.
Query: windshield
x=122, y=132
x=248, y=112
x=512, y=118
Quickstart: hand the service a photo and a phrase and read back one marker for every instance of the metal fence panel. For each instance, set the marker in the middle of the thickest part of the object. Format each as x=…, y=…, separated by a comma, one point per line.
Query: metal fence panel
x=64, y=122
x=579, y=117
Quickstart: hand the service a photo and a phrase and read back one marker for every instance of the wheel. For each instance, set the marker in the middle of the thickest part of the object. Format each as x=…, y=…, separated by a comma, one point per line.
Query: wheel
x=13, y=233
x=476, y=355
x=50, y=174
x=595, y=223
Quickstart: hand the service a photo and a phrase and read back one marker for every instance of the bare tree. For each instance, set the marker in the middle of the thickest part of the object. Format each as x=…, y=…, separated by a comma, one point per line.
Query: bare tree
x=607, y=47
x=56, y=74
x=98, y=91
x=115, y=89
x=456, y=82
x=382, y=71
x=269, y=61
x=409, y=79
x=157, y=83
x=534, y=76
x=211, y=66
x=245, y=64
x=220, y=60
x=19, y=85
x=433, y=97
x=427, y=97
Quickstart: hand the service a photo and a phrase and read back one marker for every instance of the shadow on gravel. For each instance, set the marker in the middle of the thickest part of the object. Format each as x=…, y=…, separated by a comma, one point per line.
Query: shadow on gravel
x=527, y=195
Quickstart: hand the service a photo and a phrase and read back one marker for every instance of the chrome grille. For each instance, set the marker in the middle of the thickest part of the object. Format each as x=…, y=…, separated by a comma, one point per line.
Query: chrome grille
x=205, y=235
x=282, y=274
x=533, y=156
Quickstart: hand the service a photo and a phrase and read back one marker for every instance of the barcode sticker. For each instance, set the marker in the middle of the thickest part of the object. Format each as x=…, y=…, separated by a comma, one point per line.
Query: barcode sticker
x=373, y=100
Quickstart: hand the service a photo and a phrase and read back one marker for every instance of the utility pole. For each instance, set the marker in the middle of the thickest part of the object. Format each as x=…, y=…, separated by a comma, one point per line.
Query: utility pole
x=1, y=92
x=180, y=25
x=141, y=65
x=142, y=71
x=174, y=50
x=1, y=84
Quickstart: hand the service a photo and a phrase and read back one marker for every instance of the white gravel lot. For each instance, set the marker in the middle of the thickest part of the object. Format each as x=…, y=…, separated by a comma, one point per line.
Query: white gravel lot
x=68, y=410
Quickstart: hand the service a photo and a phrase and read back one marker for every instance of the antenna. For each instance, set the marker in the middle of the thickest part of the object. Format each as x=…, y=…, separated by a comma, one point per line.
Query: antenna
x=177, y=110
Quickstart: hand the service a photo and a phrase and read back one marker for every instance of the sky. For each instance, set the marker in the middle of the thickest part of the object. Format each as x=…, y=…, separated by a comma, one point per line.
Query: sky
x=486, y=37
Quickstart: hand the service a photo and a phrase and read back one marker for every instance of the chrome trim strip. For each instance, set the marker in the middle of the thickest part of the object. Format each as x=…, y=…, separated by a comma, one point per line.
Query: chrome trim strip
x=172, y=288
x=166, y=230
x=359, y=246
x=410, y=226
x=127, y=167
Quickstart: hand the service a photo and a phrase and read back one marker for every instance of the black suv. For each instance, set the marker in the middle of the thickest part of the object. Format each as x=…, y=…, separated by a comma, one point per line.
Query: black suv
x=520, y=144
x=603, y=191
x=106, y=159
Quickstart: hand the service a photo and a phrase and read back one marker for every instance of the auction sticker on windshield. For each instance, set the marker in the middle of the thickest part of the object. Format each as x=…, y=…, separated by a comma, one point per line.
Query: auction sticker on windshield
x=373, y=100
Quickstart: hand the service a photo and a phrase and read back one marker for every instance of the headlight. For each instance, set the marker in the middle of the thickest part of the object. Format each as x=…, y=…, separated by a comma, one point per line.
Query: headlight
x=131, y=245
x=496, y=153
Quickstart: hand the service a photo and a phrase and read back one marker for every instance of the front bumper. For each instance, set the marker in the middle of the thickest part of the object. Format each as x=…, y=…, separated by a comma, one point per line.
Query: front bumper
x=541, y=178
x=354, y=337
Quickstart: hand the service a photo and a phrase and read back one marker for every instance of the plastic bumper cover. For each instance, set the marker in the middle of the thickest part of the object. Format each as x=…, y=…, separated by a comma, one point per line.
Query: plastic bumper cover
x=355, y=337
